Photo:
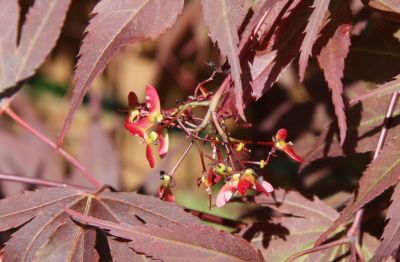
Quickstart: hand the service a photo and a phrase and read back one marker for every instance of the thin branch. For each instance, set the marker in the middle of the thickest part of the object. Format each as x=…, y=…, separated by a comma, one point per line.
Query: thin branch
x=354, y=236
x=39, y=182
x=214, y=103
x=50, y=143
x=173, y=170
x=187, y=132
x=386, y=123
x=379, y=146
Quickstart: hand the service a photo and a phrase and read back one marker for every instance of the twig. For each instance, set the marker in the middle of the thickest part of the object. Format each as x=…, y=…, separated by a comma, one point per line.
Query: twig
x=38, y=182
x=214, y=103
x=190, y=133
x=354, y=232
x=386, y=123
x=50, y=143
x=173, y=170
x=379, y=146
x=354, y=236
x=196, y=90
x=203, y=164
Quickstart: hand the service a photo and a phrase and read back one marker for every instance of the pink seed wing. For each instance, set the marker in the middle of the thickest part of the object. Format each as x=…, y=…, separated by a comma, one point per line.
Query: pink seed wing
x=149, y=155
x=290, y=152
x=134, y=128
x=264, y=187
x=152, y=100
x=224, y=194
x=164, y=143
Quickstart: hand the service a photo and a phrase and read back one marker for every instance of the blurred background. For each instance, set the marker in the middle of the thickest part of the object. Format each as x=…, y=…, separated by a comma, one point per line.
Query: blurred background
x=175, y=63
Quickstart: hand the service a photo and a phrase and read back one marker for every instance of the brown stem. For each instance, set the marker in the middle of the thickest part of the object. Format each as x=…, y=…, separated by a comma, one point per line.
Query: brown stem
x=38, y=182
x=225, y=138
x=203, y=164
x=214, y=103
x=196, y=90
x=187, y=132
x=210, y=158
x=173, y=170
x=261, y=143
x=50, y=143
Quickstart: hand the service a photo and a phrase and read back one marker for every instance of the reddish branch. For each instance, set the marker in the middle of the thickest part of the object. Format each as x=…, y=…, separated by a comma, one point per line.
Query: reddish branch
x=50, y=143
x=38, y=182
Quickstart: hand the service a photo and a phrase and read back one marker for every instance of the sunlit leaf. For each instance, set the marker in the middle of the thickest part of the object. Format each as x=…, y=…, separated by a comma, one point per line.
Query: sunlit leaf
x=19, y=60
x=372, y=60
x=50, y=227
x=365, y=121
x=391, y=234
x=223, y=19
x=183, y=242
x=116, y=23
x=332, y=55
x=379, y=176
x=384, y=89
x=283, y=48
x=388, y=8
x=300, y=223
x=311, y=32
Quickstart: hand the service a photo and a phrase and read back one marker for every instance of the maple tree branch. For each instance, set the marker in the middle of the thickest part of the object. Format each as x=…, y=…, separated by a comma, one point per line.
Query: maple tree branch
x=214, y=103
x=317, y=248
x=50, y=143
x=354, y=237
x=173, y=170
x=38, y=182
x=354, y=231
x=386, y=123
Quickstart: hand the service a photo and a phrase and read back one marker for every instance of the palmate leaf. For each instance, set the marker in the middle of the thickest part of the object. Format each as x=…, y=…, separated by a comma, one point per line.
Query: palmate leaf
x=116, y=23
x=50, y=227
x=223, y=19
x=390, y=9
x=40, y=31
x=178, y=242
x=332, y=55
x=283, y=47
x=379, y=176
x=371, y=60
x=301, y=223
x=69, y=243
x=121, y=252
x=261, y=61
x=311, y=33
x=365, y=121
x=384, y=89
x=391, y=234
x=260, y=9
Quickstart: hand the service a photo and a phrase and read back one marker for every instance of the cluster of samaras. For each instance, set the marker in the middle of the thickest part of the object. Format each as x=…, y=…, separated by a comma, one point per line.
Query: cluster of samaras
x=226, y=163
